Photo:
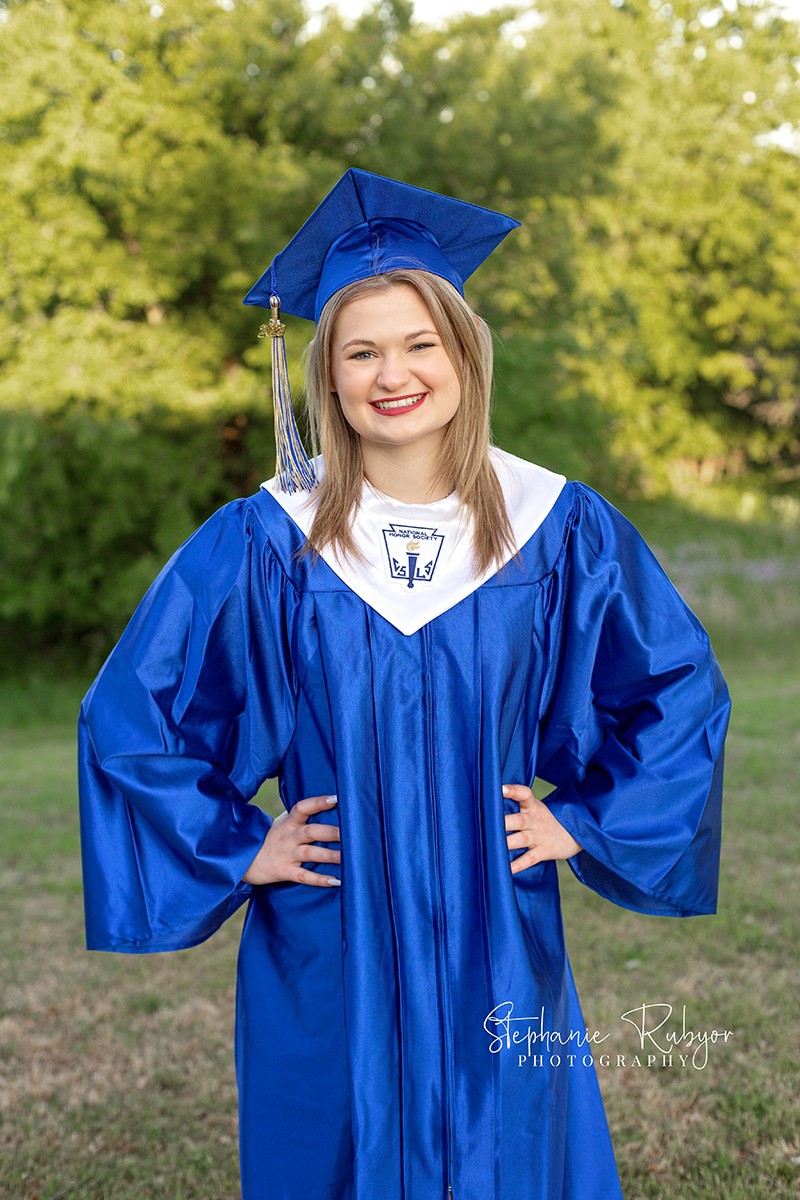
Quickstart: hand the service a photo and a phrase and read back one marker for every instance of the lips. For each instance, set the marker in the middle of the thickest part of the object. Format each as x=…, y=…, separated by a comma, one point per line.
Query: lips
x=398, y=404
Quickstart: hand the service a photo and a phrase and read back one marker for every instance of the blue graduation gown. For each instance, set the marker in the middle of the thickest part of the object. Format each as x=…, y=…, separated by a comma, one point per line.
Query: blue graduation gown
x=369, y=1062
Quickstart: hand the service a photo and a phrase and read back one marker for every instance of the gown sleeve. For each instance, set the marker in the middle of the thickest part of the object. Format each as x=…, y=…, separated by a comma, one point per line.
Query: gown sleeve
x=193, y=710
x=635, y=716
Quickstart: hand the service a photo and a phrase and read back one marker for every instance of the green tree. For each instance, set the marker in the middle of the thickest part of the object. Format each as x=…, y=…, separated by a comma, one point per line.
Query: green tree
x=649, y=151
x=688, y=299
x=133, y=394
x=138, y=206
x=156, y=156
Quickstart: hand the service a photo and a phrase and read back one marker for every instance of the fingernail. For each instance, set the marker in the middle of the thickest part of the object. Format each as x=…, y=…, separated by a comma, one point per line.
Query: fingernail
x=505, y=789
x=332, y=799
x=338, y=882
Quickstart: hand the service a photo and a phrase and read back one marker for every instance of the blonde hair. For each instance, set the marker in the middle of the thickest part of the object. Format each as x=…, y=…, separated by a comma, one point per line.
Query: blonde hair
x=465, y=466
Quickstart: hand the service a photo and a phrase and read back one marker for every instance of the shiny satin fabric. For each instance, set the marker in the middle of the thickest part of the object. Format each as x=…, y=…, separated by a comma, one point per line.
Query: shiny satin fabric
x=367, y=225
x=372, y=1057
x=376, y=246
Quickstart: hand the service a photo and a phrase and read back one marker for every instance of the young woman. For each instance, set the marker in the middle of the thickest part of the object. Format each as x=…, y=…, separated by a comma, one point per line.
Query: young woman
x=405, y=642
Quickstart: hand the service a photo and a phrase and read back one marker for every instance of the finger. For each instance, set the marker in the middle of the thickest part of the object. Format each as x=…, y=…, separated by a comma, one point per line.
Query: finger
x=305, y=808
x=321, y=833
x=317, y=854
x=519, y=841
x=529, y=859
x=535, y=815
x=518, y=792
x=315, y=878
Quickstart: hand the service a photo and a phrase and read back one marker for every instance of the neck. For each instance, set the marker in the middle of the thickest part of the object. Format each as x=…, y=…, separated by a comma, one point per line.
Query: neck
x=406, y=473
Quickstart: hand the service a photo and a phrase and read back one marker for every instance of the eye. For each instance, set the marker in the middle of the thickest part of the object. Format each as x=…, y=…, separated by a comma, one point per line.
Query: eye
x=423, y=345
x=360, y=355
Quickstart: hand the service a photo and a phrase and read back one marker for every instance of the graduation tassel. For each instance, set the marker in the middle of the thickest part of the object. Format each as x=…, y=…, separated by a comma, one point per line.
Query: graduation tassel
x=293, y=470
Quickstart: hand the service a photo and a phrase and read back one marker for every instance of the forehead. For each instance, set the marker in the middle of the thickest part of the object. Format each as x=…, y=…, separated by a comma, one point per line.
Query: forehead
x=398, y=309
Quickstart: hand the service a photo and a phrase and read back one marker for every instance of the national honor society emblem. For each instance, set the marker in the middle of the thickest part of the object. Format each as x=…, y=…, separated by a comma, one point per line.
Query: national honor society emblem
x=413, y=552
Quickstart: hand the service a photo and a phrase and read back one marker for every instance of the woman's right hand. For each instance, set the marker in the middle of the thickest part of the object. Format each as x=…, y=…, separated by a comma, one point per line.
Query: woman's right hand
x=287, y=845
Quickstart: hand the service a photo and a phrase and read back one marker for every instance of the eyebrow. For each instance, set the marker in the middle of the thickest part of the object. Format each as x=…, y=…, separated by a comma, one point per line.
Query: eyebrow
x=409, y=338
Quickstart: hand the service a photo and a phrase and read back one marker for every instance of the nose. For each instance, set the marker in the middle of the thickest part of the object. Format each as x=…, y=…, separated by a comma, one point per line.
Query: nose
x=393, y=373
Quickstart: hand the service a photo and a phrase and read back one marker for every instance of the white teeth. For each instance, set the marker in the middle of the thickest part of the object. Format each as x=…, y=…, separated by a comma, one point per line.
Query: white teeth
x=406, y=402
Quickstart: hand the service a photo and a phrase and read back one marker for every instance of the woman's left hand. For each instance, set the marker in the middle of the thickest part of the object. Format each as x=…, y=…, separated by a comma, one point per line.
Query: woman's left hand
x=535, y=826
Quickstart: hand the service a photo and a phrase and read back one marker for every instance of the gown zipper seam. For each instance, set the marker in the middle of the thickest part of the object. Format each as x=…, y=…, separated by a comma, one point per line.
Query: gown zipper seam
x=440, y=908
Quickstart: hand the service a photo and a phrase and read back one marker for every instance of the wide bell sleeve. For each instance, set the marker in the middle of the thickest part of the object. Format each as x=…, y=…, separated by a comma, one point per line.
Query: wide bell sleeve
x=634, y=720
x=193, y=710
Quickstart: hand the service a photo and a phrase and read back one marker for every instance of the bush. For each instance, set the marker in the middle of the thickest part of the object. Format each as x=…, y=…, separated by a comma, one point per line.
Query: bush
x=92, y=505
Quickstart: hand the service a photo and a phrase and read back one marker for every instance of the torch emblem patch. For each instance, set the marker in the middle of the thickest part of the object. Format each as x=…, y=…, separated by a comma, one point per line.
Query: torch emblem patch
x=413, y=552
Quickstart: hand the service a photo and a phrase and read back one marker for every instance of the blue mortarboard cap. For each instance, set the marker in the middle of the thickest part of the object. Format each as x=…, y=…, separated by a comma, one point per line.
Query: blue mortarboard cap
x=368, y=225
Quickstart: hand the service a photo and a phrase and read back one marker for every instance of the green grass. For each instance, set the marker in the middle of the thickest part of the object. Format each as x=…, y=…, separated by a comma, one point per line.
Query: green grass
x=118, y=1071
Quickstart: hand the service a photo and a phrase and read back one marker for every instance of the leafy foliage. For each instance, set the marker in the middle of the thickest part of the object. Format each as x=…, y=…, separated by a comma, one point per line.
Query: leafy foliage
x=156, y=157
x=688, y=298
x=100, y=503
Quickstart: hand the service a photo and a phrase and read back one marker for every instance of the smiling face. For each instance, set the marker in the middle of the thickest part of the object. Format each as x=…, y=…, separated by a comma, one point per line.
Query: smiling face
x=395, y=382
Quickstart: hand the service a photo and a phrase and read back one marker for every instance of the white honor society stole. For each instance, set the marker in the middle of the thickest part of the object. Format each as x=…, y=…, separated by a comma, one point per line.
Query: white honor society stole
x=417, y=558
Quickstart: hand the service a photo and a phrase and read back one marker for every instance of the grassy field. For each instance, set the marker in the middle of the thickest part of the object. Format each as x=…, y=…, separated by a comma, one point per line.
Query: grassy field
x=116, y=1073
